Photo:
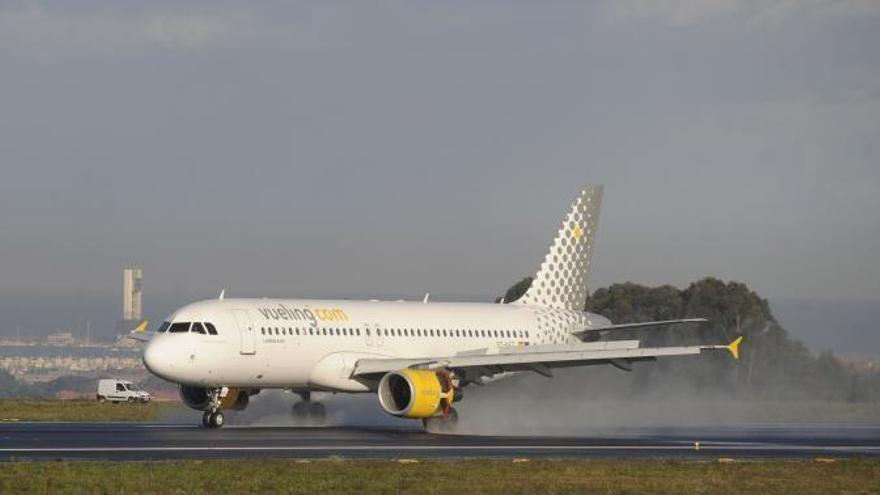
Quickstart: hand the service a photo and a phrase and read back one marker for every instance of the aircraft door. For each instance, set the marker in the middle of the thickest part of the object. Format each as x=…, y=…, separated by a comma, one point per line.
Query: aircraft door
x=246, y=330
x=379, y=331
x=373, y=334
x=368, y=334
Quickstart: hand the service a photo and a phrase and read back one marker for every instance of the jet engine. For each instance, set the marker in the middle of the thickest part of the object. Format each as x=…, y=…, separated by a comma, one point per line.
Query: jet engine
x=199, y=398
x=416, y=393
x=236, y=399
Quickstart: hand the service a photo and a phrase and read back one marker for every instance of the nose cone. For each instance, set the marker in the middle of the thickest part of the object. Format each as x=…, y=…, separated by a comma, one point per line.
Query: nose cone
x=158, y=359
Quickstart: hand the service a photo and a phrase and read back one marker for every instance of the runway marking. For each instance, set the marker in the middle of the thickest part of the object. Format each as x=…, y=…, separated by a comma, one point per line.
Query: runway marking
x=314, y=448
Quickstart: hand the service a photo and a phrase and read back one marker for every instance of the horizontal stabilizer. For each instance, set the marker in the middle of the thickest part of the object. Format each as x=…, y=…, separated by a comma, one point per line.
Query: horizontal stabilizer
x=644, y=324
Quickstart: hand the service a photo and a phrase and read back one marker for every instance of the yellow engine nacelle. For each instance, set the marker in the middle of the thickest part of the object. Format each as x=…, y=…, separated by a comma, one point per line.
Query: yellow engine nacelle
x=416, y=393
x=236, y=398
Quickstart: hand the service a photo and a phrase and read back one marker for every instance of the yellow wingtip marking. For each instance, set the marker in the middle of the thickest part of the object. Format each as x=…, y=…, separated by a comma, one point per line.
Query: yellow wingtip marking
x=142, y=326
x=733, y=347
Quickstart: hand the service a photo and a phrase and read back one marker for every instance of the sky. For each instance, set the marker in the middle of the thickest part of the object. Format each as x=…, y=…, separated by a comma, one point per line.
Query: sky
x=356, y=149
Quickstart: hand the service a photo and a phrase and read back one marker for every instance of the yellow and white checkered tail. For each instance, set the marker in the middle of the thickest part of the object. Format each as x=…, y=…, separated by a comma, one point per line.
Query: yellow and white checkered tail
x=562, y=280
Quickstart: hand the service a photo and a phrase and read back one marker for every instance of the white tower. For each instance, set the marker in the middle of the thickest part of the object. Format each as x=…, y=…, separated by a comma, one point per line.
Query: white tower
x=132, y=304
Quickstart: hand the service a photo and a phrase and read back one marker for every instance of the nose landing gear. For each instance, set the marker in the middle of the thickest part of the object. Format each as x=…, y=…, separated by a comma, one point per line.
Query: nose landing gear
x=308, y=412
x=213, y=419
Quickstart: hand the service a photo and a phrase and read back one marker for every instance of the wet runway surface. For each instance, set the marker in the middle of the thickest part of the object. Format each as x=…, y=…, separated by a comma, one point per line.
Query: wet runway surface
x=153, y=441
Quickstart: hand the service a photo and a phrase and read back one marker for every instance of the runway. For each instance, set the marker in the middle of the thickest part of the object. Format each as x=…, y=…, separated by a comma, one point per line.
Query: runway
x=156, y=441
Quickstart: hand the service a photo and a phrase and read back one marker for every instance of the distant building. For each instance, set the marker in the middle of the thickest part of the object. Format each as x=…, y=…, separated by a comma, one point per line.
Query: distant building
x=132, y=303
x=60, y=338
x=132, y=300
x=125, y=342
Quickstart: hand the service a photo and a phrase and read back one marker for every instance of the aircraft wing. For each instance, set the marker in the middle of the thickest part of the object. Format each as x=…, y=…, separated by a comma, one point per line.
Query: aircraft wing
x=475, y=366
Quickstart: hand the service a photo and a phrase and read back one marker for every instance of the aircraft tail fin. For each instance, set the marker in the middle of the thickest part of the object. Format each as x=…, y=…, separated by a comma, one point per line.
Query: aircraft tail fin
x=561, y=282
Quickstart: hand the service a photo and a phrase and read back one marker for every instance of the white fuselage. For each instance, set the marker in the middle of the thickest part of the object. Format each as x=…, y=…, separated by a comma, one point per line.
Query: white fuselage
x=306, y=345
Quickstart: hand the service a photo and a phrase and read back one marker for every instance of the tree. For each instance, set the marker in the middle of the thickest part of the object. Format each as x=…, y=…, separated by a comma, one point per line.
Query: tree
x=773, y=365
x=516, y=291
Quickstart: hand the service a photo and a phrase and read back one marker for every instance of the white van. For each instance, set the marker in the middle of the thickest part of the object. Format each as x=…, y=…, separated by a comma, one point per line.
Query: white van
x=121, y=391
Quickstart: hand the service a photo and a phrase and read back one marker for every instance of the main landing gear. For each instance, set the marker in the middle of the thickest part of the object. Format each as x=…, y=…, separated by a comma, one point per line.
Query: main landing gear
x=308, y=412
x=442, y=424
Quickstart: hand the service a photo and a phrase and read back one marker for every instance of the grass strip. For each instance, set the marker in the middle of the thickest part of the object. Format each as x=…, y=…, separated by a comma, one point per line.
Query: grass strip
x=443, y=477
x=79, y=410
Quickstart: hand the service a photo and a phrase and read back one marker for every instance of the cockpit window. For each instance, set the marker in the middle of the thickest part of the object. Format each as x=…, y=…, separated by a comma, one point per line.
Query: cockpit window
x=198, y=328
x=179, y=327
x=211, y=329
x=164, y=327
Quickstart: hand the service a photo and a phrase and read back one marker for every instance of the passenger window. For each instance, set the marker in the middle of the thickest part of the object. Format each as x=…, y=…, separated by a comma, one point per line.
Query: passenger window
x=120, y=388
x=180, y=327
x=164, y=327
x=198, y=328
x=211, y=329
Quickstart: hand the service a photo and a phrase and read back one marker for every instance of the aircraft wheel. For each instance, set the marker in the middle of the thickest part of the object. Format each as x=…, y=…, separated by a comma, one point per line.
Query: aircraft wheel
x=217, y=420
x=442, y=424
x=300, y=410
x=206, y=419
x=317, y=413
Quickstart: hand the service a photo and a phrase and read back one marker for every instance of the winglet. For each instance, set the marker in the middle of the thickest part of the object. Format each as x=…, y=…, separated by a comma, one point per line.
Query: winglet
x=733, y=347
x=142, y=327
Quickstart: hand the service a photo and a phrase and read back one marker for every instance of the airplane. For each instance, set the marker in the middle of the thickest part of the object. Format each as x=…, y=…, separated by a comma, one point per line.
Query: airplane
x=416, y=356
